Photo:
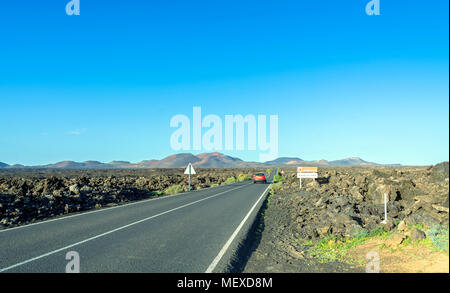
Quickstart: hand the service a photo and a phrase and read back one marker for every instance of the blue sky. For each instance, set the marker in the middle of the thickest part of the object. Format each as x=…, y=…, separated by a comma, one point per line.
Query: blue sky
x=104, y=85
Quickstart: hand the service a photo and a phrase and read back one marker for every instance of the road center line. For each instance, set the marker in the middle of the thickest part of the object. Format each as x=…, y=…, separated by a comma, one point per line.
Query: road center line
x=114, y=230
x=214, y=263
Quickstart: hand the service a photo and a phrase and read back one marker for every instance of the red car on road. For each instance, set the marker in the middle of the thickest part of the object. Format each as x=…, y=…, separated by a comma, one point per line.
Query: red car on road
x=259, y=177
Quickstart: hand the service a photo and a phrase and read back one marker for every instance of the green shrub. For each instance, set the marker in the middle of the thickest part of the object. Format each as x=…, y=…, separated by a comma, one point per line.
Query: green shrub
x=378, y=231
x=278, y=178
x=439, y=236
x=329, y=249
x=156, y=193
x=230, y=180
x=417, y=226
x=243, y=177
x=174, y=189
x=363, y=233
x=333, y=248
x=274, y=188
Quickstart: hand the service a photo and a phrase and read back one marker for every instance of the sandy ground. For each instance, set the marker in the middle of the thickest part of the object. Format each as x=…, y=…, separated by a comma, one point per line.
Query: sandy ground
x=413, y=258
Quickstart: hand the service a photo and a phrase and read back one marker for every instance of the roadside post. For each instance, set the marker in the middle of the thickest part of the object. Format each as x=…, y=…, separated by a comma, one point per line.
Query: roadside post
x=189, y=171
x=306, y=172
x=385, y=209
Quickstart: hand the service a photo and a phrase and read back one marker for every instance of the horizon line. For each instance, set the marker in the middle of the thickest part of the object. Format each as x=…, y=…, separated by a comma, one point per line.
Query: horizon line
x=219, y=153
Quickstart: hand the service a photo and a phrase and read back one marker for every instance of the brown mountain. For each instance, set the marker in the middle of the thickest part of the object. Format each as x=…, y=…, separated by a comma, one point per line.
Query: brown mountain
x=354, y=161
x=285, y=161
x=75, y=165
x=204, y=160
x=216, y=160
x=173, y=161
x=351, y=162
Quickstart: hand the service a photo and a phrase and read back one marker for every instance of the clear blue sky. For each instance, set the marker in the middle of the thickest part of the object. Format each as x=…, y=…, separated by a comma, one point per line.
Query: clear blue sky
x=104, y=85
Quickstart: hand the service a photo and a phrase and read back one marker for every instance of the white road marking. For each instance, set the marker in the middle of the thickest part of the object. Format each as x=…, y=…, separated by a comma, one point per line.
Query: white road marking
x=114, y=230
x=214, y=263
x=103, y=209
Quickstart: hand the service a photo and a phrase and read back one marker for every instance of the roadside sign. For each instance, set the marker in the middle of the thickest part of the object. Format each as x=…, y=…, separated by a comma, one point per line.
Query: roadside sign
x=307, y=175
x=306, y=172
x=306, y=169
x=189, y=170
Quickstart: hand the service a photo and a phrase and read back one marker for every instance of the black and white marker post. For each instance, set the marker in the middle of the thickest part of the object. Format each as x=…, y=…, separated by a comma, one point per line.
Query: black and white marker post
x=385, y=209
x=189, y=171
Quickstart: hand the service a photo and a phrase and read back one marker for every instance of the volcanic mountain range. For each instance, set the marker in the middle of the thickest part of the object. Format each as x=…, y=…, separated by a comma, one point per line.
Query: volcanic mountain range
x=204, y=160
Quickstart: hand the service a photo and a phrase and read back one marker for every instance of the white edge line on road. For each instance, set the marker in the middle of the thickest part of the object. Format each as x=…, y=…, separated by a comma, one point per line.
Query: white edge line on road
x=214, y=263
x=103, y=209
x=114, y=230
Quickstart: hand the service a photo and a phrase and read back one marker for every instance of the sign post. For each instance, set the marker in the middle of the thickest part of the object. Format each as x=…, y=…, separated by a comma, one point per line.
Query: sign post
x=299, y=170
x=306, y=172
x=189, y=170
x=385, y=209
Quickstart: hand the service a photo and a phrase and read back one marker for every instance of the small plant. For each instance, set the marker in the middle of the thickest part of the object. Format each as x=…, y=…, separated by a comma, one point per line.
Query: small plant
x=406, y=241
x=363, y=233
x=156, y=193
x=308, y=242
x=417, y=226
x=439, y=237
x=329, y=249
x=243, y=177
x=278, y=178
x=378, y=232
x=174, y=189
x=383, y=246
x=274, y=188
x=230, y=180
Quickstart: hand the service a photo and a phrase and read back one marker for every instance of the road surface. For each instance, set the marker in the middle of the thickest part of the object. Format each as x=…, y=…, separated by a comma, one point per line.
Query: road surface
x=192, y=232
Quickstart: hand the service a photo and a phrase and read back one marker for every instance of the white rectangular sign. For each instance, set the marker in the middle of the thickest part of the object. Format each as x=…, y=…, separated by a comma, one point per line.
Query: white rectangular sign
x=307, y=175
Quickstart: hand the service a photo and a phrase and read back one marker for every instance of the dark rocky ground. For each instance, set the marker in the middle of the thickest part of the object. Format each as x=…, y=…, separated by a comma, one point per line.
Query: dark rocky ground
x=342, y=201
x=32, y=195
x=276, y=248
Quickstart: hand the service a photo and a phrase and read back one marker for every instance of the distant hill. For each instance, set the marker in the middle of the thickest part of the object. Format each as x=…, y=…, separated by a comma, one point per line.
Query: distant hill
x=351, y=162
x=16, y=166
x=217, y=160
x=144, y=164
x=75, y=165
x=204, y=160
x=344, y=162
x=119, y=163
x=174, y=161
x=284, y=161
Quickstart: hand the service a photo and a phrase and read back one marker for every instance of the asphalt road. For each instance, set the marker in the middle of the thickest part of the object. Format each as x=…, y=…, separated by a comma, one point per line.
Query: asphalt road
x=191, y=232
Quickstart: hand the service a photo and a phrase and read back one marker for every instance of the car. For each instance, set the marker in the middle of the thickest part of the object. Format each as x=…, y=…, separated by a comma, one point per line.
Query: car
x=259, y=177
